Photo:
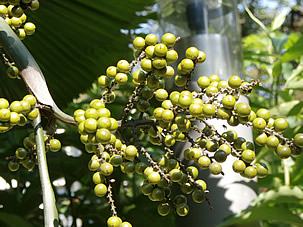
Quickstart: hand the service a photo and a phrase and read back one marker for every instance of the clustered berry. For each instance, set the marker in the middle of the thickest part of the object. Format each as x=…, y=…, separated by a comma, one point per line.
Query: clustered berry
x=164, y=118
x=17, y=112
x=27, y=155
x=13, y=11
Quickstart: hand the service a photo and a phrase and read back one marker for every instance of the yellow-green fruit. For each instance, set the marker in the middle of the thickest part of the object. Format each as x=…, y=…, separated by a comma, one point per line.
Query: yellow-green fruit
x=103, y=81
x=151, y=39
x=16, y=106
x=32, y=115
x=54, y=145
x=121, y=78
x=16, y=22
x=169, y=39
x=5, y=115
x=100, y=190
x=4, y=104
x=192, y=53
x=153, y=177
x=111, y=71
x=29, y=28
x=171, y=56
x=30, y=99
x=139, y=43
x=3, y=10
x=14, y=118
x=106, y=169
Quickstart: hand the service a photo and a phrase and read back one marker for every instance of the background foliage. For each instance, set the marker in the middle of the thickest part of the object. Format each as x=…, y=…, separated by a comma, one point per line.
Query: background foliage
x=74, y=45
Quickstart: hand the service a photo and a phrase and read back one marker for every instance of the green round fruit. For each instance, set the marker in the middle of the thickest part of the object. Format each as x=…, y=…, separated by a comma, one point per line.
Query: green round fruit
x=159, y=63
x=125, y=224
x=192, y=171
x=239, y=166
x=261, y=139
x=214, y=78
x=272, y=141
x=103, y=135
x=154, y=177
x=201, y=57
x=234, y=81
x=228, y=101
x=263, y=113
x=220, y=156
x=203, y=82
x=123, y=66
x=192, y=53
x=21, y=153
x=13, y=166
x=4, y=104
x=29, y=28
x=167, y=115
x=161, y=94
x=158, y=194
x=250, y=172
x=147, y=189
x=204, y=162
x=182, y=210
x=149, y=51
x=259, y=123
x=298, y=140
x=114, y=221
x=169, y=39
x=121, y=78
x=198, y=196
x=242, y=109
x=131, y=152
x=280, y=124
x=201, y=184
x=196, y=109
x=248, y=156
x=160, y=50
x=187, y=65
x=209, y=110
x=215, y=168
x=5, y=115
x=283, y=151
x=171, y=56
x=151, y=39
x=100, y=190
x=90, y=125
x=139, y=43
x=54, y=145
x=163, y=209
x=262, y=170
x=98, y=178
x=106, y=169
x=12, y=72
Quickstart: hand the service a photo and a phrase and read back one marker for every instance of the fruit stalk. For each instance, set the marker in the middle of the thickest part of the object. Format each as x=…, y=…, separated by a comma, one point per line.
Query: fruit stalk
x=49, y=202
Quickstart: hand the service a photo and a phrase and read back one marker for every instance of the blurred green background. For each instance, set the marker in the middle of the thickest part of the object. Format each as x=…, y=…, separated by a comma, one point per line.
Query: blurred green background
x=75, y=41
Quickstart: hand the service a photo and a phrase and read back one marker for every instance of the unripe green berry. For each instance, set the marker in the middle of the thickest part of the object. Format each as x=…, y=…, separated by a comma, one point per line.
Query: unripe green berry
x=215, y=168
x=54, y=145
x=169, y=39
x=114, y=221
x=139, y=43
x=151, y=39
x=234, y=81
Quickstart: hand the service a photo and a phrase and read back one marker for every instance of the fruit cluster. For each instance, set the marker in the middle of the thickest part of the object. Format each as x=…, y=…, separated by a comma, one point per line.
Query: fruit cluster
x=13, y=11
x=17, y=112
x=27, y=155
x=158, y=119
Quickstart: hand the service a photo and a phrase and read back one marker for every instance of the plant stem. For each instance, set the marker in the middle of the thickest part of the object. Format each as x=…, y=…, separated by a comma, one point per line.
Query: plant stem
x=286, y=172
x=49, y=202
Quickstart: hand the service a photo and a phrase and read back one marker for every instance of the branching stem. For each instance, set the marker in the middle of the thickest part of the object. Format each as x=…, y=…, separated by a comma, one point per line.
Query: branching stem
x=49, y=202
